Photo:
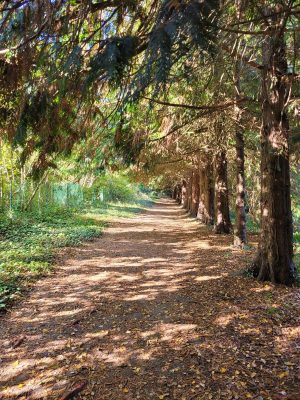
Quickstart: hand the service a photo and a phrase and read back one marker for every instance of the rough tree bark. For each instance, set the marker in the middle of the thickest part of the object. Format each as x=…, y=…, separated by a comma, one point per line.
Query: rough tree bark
x=189, y=191
x=177, y=193
x=223, y=223
x=206, y=196
x=274, y=261
x=240, y=236
x=184, y=197
x=179, y=196
x=195, y=192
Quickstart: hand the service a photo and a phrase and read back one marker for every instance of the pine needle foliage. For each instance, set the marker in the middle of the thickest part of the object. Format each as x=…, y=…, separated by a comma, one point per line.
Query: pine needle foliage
x=181, y=28
x=111, y=62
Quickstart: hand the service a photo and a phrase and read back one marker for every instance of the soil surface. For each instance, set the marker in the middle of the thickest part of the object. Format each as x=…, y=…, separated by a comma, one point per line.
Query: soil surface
x=154, y=309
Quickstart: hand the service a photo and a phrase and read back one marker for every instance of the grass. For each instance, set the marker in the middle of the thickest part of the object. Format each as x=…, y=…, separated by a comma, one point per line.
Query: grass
x=29, y=241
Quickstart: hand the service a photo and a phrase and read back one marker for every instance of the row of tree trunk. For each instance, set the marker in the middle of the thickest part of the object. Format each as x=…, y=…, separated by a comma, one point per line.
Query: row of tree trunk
x=274, y=260
x=204, y=192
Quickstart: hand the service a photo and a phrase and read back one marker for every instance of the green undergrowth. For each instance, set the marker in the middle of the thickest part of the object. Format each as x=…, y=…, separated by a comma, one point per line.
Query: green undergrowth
x=30, y=240
x=297, y=250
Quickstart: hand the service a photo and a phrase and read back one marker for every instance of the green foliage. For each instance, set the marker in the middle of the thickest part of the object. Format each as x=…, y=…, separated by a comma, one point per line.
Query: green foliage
x=114, y=187
x=297, y=239
x=178, y=32
x=111, y=63
x=251, y=224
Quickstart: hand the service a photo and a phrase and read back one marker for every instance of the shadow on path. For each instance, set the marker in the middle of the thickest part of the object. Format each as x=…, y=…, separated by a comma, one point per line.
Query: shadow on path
x=152, y=310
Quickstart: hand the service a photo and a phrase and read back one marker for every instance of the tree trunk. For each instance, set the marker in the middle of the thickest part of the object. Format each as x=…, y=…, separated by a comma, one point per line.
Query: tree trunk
x=223, y=224
x=184, y=197
x=35, y=191
x=240, y=236
x=206, y=196
x=195, y=193
x=179, y=193
x=174, y=194
x=274, y=261
x=189, y=191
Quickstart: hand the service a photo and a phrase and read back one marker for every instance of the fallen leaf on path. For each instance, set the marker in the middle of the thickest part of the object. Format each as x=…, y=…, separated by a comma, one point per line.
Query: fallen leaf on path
x=74, y=391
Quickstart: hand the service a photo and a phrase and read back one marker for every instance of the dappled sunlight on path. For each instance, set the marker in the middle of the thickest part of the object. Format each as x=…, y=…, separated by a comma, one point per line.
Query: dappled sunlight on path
x=152, y=310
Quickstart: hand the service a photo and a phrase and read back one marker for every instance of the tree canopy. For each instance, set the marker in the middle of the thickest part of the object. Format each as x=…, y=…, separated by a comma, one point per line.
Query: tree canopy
x=162, y=87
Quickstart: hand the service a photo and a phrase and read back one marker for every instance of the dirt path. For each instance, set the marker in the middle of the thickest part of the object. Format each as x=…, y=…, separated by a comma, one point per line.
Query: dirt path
x=152, y=310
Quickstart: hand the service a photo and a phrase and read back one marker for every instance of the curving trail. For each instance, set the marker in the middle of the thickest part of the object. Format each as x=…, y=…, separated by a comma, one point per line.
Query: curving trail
x=154, y=309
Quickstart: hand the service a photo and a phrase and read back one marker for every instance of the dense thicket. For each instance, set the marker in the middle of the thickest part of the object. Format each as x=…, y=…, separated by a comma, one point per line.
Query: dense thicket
x=199, y=97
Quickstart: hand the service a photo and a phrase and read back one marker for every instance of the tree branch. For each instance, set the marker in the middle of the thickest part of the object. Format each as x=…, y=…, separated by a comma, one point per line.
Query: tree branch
x=215, y=107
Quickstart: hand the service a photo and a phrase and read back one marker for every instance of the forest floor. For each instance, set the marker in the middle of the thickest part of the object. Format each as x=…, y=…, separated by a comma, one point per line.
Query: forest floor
x=154, y=309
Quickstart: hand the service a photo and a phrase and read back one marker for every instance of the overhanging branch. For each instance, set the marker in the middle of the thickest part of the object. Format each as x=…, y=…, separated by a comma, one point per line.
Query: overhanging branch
x=215, y=107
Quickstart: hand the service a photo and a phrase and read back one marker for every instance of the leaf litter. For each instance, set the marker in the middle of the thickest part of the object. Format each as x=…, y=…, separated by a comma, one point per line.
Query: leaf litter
x=155, y=309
